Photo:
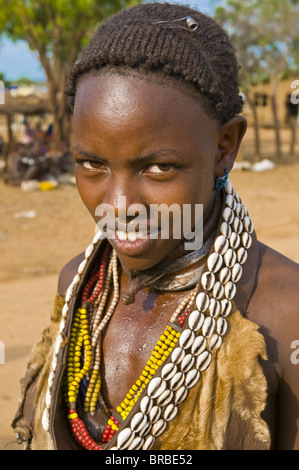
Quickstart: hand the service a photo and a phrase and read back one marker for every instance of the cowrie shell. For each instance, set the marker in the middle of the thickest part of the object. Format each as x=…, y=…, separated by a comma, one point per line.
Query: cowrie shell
x=214, y=308
x=237, y=272
x=51, y=378
x=229, y=290
x=145, y=430
x=214, y=262
x=195, y=320
x=228, y=215
x=138, y=421
x=45, y=420
x=203, y=361
x=154, y=414
x=170, y=412
x=89, y=250
x=240, y=210
x=168, y=371
x=165, y=398
x=221, y=326
x=207, y=280
x=230, y=202
x=62, y=325
x=234, y=240
x=82, y=266
x=215, y=342
x=136, y=443
x=180, y=394
x=228, y=188
x=58, y=343
x=156, y=386
x=177, y=355
x=241, y=255
x=202, y=301
x=146, y=404
x=198, y=345
x=221, y=244
x=65, y=310
x=237, y=225
x=148, y=443
x=192, y=377
x=246, y=240
x=48, y=398
x=159, y=427
x=69, y=293
x=226, y=307
x=248, y=225
x=217, y=292
x=208, y=327
x=237, y=197
x=230, y=258
x=125, y=438
x=97, y=237
x=187, y=363
x=76, y=279
x=224, y=275
x=186, y=338
x=177, y=381
x=225, y=229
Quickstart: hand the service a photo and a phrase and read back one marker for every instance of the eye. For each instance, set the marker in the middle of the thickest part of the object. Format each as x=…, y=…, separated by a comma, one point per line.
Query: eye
x=90, y=165
x=160, y=168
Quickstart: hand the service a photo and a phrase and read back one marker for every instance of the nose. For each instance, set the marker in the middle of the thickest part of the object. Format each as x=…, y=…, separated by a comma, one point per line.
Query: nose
x=121, y=198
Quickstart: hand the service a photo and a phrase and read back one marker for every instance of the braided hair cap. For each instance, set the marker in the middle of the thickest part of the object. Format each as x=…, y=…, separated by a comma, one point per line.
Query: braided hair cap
x=170, y=41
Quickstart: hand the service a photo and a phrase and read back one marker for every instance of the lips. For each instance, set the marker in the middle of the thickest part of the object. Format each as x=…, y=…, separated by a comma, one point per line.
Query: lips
x=130, y=243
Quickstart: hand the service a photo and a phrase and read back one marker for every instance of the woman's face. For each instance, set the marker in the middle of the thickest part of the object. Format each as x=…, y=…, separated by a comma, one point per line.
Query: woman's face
x=144, y=143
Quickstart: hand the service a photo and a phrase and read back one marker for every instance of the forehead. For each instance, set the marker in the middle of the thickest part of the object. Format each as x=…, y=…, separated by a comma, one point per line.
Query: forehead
x=125, y=94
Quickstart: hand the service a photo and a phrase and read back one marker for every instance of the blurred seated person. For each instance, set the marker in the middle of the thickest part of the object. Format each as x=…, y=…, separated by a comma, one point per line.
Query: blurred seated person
x=29, y=164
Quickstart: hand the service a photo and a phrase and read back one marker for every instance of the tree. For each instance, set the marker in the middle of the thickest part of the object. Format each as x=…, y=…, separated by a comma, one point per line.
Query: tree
x=266, y=34
x=240, y=21
x=57, y=30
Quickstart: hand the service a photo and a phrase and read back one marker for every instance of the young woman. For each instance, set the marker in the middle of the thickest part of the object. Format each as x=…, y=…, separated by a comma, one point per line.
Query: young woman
x=154, y=345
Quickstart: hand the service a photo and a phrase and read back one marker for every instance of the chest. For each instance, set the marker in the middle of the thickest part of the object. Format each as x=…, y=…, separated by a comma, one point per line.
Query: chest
x=129, y=340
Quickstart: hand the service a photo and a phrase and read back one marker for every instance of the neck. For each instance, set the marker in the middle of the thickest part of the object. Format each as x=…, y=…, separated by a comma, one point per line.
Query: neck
x=179, y=270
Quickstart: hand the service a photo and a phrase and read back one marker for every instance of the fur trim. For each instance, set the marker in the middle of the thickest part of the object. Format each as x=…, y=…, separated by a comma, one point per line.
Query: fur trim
x=223, y=412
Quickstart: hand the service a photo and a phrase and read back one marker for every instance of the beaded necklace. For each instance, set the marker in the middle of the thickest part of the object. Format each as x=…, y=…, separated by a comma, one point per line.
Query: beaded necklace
x=182, y=353
x=84, y=351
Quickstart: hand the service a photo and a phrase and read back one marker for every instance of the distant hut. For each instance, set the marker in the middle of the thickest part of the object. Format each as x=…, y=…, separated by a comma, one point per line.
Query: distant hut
x=31, y=105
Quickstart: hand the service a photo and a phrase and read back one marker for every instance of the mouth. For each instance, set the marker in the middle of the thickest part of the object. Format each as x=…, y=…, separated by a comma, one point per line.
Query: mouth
x=132, y=243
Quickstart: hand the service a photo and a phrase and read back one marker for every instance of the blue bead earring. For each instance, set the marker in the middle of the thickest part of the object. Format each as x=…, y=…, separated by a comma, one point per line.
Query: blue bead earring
x=220, y=181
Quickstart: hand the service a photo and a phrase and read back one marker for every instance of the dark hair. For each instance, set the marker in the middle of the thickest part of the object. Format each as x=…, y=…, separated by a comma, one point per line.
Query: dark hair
x=170, y=41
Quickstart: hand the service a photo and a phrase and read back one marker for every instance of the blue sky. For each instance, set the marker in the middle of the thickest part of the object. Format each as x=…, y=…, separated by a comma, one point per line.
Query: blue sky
x=16, y=59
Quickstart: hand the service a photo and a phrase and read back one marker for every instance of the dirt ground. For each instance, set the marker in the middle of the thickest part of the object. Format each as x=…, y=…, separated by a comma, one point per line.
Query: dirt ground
x=41, y=231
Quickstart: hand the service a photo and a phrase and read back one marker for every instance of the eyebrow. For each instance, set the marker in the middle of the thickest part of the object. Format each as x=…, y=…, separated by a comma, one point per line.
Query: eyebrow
x=86, y=153
x=161, y=154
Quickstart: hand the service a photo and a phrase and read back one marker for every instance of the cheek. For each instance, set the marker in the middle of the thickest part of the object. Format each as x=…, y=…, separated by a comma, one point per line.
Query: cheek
x=90, y=193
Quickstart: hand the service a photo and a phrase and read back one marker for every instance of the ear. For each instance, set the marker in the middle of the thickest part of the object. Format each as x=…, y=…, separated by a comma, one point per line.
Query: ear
x=230, y=136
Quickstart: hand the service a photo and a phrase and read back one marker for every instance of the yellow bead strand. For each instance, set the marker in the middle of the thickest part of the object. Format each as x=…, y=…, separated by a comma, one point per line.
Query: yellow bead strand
x=161, y=351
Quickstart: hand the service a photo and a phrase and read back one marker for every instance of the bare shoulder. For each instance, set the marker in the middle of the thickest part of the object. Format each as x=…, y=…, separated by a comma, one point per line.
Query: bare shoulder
x=275, y=308
x=274, y=305
x=278, y=278
x=68, y=272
